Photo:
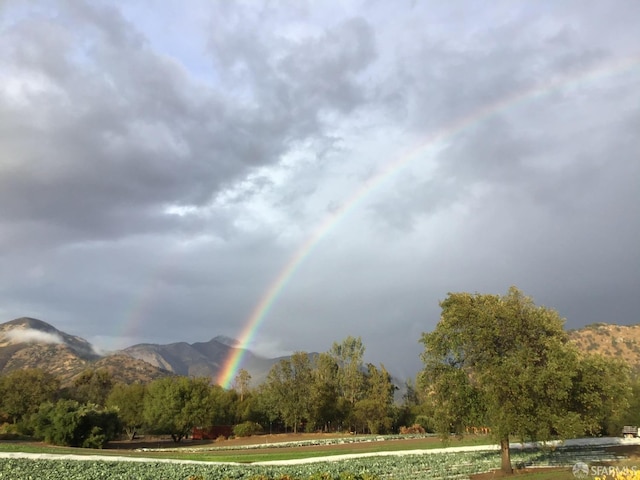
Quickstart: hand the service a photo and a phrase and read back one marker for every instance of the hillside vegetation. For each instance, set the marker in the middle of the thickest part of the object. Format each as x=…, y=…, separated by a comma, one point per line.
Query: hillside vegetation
x=615, y=341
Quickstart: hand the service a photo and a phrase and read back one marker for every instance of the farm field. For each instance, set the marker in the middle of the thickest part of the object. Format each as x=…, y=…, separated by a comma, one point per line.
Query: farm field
x=389, y=459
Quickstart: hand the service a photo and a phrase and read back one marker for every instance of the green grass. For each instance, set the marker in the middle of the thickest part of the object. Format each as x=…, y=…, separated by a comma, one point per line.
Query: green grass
x=252, y=455
x=248, y=456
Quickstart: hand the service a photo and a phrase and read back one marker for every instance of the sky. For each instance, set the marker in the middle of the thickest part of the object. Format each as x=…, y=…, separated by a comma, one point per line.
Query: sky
x=311, y=170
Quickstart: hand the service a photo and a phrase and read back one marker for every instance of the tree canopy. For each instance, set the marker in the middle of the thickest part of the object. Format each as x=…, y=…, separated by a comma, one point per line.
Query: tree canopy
x=22, y=392
x=175, y=405
x=504, y=362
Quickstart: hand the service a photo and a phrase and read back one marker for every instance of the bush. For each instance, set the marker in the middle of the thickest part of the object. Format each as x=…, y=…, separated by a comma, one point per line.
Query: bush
x=426, y=422
x=246, y=429
x=71, y=424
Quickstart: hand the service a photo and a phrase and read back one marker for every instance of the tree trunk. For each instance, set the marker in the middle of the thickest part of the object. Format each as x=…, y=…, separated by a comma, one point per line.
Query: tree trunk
x=506, y=455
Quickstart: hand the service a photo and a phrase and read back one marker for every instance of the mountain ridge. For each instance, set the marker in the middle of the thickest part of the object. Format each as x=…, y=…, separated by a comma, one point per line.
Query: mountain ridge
x=31, y=343
x=27, y=342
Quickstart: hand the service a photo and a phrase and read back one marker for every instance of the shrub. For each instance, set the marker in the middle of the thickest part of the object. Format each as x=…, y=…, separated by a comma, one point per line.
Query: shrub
x=413, y=429
x=426, y=422
x=69, y=423
x=246, y=429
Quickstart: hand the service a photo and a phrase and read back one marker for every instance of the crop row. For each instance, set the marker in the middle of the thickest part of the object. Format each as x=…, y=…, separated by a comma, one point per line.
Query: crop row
x=424, y=466
x=297, y=443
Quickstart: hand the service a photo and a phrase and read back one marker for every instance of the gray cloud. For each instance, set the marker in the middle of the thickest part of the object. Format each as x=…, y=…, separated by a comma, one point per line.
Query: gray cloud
x=31, y=336
x=162, y=166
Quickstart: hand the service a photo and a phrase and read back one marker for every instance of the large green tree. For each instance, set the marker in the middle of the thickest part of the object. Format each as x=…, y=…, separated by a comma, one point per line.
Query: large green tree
x=601, y=394
x=22, y=392
x=128, y=401
x=349, y=354
x=325, y=406
x=174, y=405
x=504, y=362
x=376, y=408
x=288, y=384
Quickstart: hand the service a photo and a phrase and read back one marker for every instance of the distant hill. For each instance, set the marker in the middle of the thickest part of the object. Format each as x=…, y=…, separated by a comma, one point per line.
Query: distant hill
x=201, y=359
x=30, y=331
x=616, y=341
x=31, y=343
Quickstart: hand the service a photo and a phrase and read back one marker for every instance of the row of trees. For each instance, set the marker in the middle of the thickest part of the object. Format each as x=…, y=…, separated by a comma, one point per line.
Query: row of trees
x=329, y=391
x=95, y=410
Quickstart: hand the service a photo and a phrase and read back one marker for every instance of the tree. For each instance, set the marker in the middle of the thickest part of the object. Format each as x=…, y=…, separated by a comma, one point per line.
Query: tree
x=348, y=355
x=242, y=382
x=92, y=386
x=22, y=392
x=264, y=407
x=174, y=405
x=351, y=379
x=325, y=402
x=128, y=401
x=503, y=362
x=288, y=383
x=632, y=414
x=70, y=423
x=415, y=409
x=225, y=406
x=375, y=409
x=602, y=391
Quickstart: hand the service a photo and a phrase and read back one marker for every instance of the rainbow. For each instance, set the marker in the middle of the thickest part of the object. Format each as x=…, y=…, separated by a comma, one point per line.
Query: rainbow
x=260, y=312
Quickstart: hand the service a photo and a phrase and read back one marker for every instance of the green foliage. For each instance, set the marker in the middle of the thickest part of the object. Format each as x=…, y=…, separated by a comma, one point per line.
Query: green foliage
x=632, y=415
x=246, y=429
x=504, y=362
x=288, y=386
x=128, y=401
x=374, y=412
x=226, y=406
x=325, y=408
x=426, y=423
x=92, y=386
x=113, y=470
x=22, y=392
x=241, y=383
x=174, y=405
x=601, y=394
x=70, y=423
x=348, y=355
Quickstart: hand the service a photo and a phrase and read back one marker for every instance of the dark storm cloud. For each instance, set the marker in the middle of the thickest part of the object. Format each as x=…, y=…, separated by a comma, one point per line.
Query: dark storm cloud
x=168, y=162
x=112, y=132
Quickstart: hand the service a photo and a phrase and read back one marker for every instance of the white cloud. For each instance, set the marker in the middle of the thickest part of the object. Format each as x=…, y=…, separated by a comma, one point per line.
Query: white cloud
x=30, y=335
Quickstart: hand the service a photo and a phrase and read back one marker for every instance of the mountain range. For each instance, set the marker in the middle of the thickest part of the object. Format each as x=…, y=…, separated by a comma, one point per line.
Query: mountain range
x=28, y=342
